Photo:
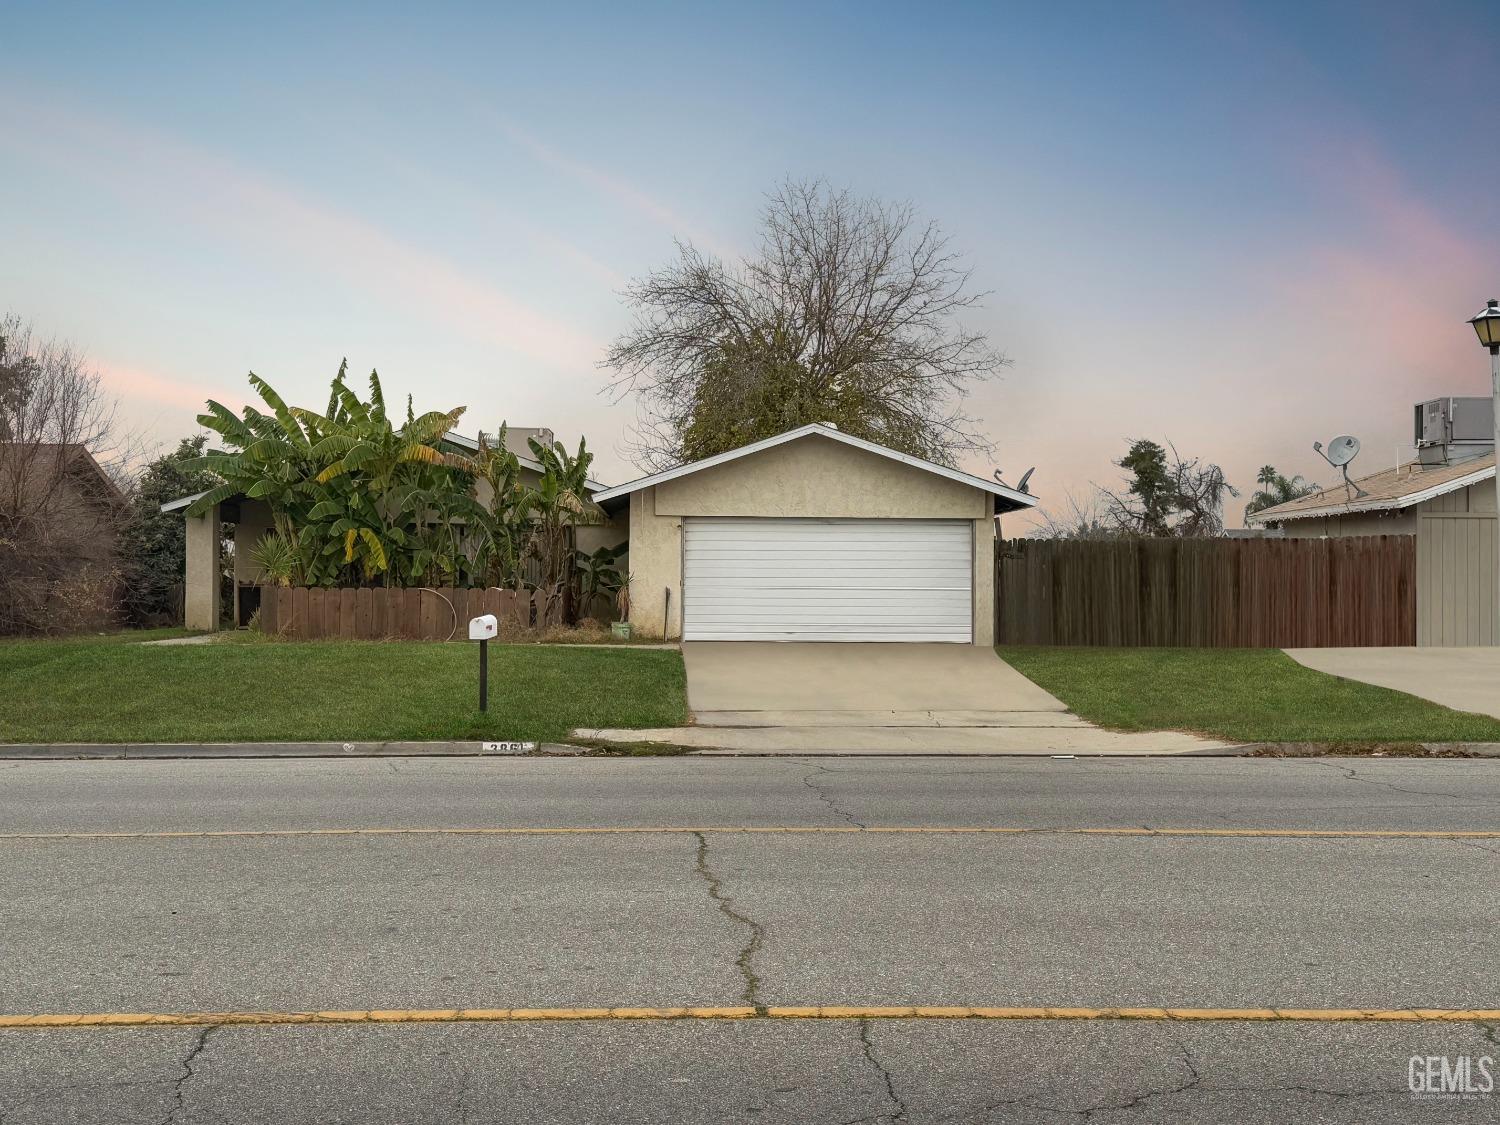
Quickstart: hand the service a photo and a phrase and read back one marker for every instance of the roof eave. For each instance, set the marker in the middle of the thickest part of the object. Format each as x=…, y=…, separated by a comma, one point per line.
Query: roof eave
x=1016, y=500
x=526, y=462
x=1394, y=504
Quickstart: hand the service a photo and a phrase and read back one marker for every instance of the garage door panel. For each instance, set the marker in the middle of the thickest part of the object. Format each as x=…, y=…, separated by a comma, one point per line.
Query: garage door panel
x=827, y=580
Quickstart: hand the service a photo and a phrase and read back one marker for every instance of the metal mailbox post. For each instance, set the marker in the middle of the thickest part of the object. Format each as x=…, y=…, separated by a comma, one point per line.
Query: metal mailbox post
x=481, y=629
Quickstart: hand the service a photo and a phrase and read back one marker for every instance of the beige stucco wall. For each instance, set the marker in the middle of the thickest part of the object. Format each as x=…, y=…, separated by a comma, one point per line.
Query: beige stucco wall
x=812, y=477
x=252, y=523
x=817, y=476
x=200, y=608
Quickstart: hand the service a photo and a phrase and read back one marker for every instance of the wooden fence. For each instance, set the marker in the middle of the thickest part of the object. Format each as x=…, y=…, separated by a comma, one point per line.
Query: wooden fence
x=1233, y=593
x=418, y=614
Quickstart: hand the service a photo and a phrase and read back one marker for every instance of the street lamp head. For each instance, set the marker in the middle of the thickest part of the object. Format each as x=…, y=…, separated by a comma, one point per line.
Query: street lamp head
x=1487, y=326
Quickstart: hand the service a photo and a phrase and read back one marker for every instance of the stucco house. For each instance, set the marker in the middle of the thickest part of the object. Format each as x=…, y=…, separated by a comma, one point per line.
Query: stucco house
x=60, y=520
x=1393, y=503
x=1445, y=498
x=252, y=520
x=812, y=535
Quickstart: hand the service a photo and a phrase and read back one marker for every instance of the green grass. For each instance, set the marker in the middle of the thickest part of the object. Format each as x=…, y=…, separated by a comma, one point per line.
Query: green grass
x=1246, y=695
x=99, y=690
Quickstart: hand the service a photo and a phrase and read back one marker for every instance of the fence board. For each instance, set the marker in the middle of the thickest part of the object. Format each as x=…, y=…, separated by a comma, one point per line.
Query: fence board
x=1264, y=593
x=377, y=613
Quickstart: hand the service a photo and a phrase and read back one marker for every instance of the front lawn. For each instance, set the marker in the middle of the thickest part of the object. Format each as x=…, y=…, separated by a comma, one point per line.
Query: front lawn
x=102, y=690
x=1244, y=695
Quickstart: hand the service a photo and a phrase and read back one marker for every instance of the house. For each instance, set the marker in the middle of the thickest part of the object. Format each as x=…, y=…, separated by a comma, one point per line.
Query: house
x=812, y=535
x=60, y=520
x=1445, y=498
x=252, y=520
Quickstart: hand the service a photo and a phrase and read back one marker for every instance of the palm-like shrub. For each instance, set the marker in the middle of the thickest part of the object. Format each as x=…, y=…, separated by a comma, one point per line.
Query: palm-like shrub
x=1276, y=489
x=361, y=498
x=356, y=498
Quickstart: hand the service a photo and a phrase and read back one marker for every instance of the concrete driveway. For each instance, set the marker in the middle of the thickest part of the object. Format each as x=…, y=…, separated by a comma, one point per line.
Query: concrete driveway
x=776, y=678
x=1466, y=679
x=778, y=698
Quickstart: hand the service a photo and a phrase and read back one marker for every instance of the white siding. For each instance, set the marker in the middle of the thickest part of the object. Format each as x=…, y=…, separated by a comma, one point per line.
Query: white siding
x=827, y=580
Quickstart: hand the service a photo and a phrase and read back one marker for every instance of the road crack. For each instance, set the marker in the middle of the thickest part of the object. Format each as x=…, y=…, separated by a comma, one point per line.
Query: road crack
x=833, y=806
x=897, y=1110
x=200, y=1041
x=751, y=994
x=1351, y=774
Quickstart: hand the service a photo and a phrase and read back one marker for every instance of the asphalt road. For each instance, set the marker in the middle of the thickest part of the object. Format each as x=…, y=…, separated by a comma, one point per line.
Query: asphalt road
x=697, y=914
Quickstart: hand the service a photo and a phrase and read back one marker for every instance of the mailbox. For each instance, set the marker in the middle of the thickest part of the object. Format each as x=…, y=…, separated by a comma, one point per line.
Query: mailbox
x=483, y=628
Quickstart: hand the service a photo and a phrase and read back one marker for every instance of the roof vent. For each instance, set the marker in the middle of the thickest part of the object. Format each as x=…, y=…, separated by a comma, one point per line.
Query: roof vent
x=830, y=425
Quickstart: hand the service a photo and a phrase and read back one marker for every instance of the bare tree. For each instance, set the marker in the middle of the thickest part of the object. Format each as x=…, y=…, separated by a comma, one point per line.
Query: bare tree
x=1077, y=517
x=61, y=505
x=846, y=313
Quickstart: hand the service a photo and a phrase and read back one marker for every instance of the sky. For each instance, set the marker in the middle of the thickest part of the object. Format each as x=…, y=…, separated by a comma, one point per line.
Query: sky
x=1235, y=227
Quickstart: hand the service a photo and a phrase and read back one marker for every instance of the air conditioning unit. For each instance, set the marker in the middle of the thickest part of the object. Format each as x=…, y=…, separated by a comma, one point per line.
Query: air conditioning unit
x=1453, y=429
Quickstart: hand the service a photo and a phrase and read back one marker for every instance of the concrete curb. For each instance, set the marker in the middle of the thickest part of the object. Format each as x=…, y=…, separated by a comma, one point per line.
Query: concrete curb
x=62, y=751
x=134, y=751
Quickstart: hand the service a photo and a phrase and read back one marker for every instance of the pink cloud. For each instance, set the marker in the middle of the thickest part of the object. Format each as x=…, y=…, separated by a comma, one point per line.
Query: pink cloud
x=136, y=383
x=233, y=201
x=611, y=186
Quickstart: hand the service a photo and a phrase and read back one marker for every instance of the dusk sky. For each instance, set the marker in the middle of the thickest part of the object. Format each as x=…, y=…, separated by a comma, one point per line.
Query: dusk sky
x=1238, y=227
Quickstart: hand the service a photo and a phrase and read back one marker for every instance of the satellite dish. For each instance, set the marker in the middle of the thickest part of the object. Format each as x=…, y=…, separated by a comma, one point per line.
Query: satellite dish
x=1022, y=487
x=1341, y=450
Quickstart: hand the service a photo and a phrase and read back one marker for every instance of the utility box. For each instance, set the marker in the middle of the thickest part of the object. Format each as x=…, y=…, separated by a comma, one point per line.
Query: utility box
x=483, y=628
x=1453, y=429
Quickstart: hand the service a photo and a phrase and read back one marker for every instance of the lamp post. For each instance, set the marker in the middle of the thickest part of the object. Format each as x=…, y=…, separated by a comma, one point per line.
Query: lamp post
x=1487, y=328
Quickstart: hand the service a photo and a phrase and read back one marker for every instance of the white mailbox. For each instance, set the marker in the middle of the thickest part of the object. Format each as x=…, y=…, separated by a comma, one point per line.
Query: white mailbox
x=483, y=628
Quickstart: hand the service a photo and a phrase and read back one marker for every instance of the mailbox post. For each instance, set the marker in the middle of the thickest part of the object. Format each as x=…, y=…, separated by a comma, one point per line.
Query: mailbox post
x=481, y=629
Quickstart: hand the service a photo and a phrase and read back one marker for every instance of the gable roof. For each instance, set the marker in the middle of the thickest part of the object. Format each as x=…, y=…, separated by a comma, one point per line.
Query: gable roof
x=69, y=458
x=1389, y=490
x=1015, y=499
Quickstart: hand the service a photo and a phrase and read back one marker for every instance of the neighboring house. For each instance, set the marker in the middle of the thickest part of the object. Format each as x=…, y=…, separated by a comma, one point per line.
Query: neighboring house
x=1446, y=499
x=812, y=535
x=60, y=519
x=252, y=520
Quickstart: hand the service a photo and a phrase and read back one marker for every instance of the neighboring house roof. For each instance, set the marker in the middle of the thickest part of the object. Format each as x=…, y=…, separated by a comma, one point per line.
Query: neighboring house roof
x=1388, y=491
x=526, y=462
x=455, y=438
x=1016, y=499
x=71, y=458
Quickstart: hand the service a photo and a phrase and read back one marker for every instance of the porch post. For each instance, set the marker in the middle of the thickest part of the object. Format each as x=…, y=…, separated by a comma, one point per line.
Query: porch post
x=201, y=583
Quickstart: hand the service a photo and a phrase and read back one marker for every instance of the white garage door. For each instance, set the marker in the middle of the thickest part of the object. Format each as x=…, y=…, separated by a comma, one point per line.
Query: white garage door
x=827, y=580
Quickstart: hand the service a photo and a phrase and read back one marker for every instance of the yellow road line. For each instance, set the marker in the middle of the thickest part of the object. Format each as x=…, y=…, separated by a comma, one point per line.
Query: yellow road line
x=823, y=1012
x=1232, y=833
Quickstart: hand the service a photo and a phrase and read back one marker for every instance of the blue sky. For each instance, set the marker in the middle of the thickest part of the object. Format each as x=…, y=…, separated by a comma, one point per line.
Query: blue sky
x=1238, y=227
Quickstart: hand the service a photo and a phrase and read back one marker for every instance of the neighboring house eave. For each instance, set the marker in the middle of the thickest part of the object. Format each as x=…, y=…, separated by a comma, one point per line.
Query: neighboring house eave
x=472, y=445
x=1391, y=504
x=183, y=502
x=1016, y=499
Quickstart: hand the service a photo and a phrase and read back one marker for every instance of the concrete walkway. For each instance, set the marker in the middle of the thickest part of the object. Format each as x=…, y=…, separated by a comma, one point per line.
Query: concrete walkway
x=767, y=698
x=1466, y=679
